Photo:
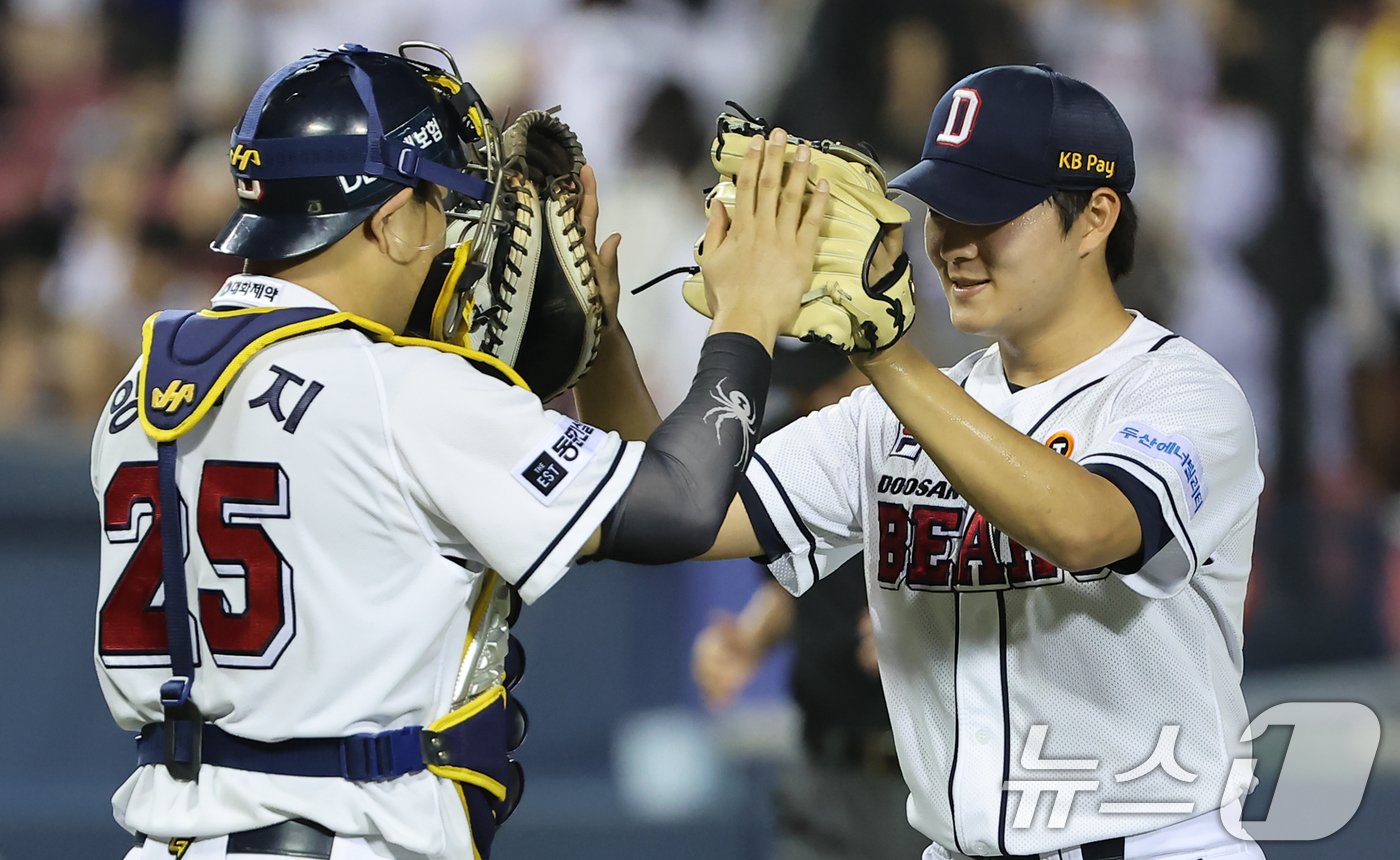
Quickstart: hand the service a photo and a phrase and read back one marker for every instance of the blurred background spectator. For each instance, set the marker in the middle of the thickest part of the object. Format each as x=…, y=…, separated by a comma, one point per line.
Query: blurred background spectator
x=1268, y=152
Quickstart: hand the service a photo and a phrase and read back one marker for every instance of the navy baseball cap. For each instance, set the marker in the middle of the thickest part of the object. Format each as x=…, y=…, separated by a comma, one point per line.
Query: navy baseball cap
x=1006, y=138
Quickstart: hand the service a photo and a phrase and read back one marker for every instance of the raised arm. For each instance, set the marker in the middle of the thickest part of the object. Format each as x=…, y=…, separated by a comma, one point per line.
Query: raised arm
x=756, y=268
x=736, y=538
x=613, y=396
x=1066, y=514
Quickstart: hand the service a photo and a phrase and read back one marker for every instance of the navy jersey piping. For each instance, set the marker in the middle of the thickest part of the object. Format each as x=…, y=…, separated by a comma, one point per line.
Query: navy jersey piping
x=568, y=527
x=792, y=512
x=1005, y=723
x=953, y=769
x=1086, y=386
x=1067, y=398
x=769, y=539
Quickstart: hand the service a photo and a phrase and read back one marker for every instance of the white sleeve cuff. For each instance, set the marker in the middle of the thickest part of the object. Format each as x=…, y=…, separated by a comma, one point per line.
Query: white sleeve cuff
x=559, y=554
x=800, y=568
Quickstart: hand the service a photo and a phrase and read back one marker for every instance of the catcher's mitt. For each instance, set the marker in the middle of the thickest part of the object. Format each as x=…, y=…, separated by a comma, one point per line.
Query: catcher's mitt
x=843, y=307
x=538, y=309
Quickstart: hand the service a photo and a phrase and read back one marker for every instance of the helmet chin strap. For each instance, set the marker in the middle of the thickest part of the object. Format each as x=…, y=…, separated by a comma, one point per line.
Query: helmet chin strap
x=454, y=296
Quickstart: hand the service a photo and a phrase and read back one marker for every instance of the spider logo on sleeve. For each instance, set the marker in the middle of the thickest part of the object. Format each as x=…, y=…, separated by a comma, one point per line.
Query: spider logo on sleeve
x=734, y=405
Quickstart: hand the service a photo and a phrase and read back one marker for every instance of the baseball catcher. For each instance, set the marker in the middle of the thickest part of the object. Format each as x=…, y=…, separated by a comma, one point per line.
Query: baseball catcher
x=324, y=496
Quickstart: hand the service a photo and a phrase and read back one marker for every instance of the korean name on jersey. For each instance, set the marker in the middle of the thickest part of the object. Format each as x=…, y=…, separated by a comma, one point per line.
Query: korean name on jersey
x=340, y=505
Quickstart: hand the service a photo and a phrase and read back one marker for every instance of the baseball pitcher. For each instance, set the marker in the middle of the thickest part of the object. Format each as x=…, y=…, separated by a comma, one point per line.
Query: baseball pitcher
x=1057, y=531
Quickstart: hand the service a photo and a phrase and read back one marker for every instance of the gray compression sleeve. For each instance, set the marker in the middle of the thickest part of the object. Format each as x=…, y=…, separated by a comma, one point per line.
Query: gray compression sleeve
x=692, y=464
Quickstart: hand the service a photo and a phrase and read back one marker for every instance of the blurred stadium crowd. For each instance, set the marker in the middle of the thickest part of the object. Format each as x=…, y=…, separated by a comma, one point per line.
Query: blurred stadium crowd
x=1268, y=153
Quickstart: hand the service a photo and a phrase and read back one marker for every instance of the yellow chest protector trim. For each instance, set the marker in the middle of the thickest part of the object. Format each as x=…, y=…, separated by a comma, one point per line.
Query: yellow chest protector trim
x=188, y=359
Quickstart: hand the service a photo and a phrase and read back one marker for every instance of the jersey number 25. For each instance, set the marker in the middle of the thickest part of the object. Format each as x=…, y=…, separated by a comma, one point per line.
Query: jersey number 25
x=246, y=627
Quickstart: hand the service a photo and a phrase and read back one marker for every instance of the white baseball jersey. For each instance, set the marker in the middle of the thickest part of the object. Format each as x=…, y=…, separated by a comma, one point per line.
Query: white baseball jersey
x=325, y=499
x=1000, y=669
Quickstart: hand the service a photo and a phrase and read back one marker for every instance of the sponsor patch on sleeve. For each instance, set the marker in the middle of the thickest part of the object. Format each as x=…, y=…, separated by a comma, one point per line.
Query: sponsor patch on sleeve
x=1175, y=450
x=545, y=471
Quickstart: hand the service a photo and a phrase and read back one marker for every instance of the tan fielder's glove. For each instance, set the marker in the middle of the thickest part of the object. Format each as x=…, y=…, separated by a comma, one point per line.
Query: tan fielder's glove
x=843, y=307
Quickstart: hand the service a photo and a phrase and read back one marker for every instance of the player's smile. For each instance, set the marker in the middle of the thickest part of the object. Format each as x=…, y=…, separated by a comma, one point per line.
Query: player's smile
x=955, y=251
x=964, y=292
x=961, y=287
x=966, y=285
x=1004, y=278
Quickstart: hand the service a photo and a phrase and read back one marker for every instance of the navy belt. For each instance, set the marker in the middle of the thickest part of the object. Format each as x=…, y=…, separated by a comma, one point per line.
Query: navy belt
x=1104, y=849
x=359, y=758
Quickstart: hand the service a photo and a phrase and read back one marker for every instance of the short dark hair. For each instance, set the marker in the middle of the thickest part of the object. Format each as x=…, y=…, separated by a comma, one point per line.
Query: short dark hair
x=1121, y=242
x=424, y=192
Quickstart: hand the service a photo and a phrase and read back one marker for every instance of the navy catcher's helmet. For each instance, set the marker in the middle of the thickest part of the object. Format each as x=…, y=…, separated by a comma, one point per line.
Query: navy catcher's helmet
x=332, y=136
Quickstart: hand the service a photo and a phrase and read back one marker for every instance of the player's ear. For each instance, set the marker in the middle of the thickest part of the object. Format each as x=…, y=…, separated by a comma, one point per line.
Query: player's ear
x=1096, y=222
x=375, y=228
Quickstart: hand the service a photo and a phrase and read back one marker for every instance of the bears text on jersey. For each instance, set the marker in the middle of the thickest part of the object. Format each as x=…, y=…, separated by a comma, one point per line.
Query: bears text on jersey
x=954, y=548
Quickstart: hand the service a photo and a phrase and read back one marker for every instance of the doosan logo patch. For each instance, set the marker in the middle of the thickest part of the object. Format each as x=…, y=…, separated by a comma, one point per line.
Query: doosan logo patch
x=549, y=468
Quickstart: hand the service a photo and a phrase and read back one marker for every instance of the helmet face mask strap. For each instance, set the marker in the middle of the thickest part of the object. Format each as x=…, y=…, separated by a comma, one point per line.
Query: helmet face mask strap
x=457, y=270
x=474, y=222
x=370, y=154
x=474, y=225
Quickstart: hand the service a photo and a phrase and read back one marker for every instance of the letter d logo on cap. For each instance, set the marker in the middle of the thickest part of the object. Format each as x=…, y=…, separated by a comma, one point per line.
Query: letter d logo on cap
x=962, y=115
